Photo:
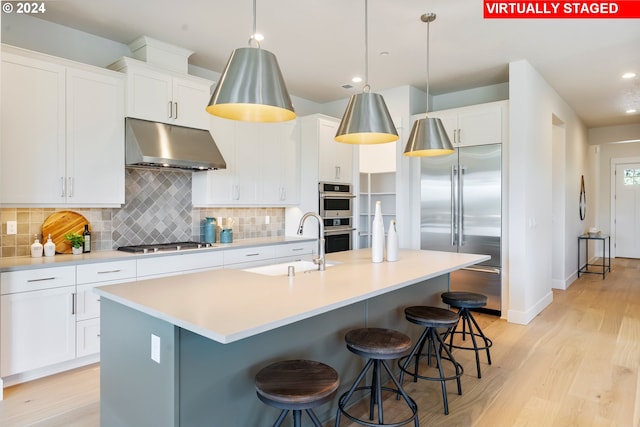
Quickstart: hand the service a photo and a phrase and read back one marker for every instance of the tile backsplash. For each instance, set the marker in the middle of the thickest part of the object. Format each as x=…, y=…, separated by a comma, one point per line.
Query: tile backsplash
x=157, y=209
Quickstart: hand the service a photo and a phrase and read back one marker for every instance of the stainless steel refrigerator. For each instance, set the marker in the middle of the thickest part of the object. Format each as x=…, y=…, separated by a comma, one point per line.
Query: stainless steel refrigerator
x=461, y=211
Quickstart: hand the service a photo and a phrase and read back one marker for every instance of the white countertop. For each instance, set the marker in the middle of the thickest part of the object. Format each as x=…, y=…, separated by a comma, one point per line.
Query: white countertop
x=23, y=263
x=228, y=305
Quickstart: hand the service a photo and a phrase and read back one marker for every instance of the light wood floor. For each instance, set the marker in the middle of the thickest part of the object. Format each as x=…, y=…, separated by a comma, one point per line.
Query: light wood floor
x=576, y=364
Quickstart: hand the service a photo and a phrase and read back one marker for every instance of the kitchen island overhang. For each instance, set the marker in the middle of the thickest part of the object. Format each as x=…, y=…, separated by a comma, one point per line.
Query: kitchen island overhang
x=218, y=328
x=228, y=305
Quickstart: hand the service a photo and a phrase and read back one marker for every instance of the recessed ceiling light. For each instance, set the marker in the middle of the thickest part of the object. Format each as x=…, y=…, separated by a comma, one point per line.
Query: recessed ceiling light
x=346, y=86
x=628, y=75
x=357, y=79
x=384, y=53
x=631, y=111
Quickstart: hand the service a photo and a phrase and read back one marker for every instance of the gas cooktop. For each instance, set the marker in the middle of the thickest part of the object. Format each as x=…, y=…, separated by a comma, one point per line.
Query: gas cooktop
x=164, y=247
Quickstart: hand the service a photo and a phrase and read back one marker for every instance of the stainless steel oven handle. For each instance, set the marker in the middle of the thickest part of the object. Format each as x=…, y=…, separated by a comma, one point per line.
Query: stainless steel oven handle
x=337, y=196
x=453, y=207
x=336, y=232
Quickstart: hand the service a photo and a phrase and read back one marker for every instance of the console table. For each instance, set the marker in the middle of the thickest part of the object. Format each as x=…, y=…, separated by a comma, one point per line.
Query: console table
x=606, y=255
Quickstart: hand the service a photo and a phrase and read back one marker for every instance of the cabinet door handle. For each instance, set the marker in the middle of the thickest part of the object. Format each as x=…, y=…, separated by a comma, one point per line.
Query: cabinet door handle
x=337, y=172
x=235, y=192
x=70, y=187
x=459, y=136
x=170, y=109
x=175, y=116
x=40, y=280
x=297, y=249
x=73, y=303
x=62, y=187
x=254, y=254
x=109, y=271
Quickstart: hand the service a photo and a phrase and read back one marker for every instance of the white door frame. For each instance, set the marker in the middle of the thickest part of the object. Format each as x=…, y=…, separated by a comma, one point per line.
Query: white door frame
x=612, y=195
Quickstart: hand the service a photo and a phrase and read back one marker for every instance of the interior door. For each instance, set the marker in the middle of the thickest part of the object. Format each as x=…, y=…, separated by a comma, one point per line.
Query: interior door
x=627, y=204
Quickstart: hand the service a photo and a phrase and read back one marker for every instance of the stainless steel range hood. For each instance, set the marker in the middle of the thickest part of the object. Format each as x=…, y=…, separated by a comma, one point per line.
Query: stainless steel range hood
x=159, y=145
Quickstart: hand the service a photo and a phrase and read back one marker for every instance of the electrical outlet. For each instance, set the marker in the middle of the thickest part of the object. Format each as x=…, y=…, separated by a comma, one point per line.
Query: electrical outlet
x=267, y=219
x=12, y=227
x=155, y=348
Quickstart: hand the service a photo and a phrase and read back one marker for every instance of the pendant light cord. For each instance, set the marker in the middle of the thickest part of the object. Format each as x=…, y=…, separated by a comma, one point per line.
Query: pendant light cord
x=428, y=18
x=366, y=87
x=428, y=79
x=253, y=34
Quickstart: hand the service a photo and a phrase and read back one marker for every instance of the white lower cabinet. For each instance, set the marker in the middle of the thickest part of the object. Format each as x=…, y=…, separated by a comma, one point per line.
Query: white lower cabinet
x=87, y=337
x=38, y=323
x=87, y=307
x=49, y=316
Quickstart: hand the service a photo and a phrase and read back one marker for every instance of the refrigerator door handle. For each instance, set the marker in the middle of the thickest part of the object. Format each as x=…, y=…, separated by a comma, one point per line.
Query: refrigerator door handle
x=491, y=270
x=463, y=169
x=453, y=205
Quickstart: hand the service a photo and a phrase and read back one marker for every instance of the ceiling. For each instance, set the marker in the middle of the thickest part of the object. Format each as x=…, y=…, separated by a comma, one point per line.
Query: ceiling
x=320, y=45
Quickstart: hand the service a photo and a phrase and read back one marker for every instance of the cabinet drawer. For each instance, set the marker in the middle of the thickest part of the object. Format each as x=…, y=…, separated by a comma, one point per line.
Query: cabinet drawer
x=166, y=265
x=253, y=254
x=106, y=271
x=294, y=249
x=37, y=279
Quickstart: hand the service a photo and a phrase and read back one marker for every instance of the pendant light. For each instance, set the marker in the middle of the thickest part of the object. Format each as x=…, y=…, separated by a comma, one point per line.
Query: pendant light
x=251, y=87
x=366, y=119
x=428, y=136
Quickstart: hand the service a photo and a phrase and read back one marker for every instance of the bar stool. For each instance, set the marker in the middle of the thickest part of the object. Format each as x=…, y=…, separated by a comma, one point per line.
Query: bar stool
x=432, y=318
x=296, y=385
x=377, y=345
x=464, y=301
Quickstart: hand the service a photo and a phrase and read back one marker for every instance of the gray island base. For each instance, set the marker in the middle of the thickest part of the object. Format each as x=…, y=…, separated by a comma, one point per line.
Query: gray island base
x=211, y=332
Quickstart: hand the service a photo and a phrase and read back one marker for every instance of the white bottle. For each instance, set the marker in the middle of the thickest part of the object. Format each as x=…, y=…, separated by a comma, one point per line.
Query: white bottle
x=392, y=242
x=49, y=247
x=36, y=248
x=377, y=235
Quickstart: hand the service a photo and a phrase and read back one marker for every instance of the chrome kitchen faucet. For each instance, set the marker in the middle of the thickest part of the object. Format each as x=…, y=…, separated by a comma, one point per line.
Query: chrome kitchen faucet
x=320, y=261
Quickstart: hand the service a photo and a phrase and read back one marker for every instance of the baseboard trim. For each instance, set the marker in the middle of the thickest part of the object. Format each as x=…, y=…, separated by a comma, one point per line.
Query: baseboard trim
x=524, y=317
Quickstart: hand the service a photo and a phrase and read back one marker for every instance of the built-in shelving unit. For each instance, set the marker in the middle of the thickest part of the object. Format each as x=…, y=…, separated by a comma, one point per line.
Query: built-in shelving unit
x=374, y=187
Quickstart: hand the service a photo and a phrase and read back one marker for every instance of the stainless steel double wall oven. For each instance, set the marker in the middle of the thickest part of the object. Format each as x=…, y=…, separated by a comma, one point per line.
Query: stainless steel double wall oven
x=336, y=210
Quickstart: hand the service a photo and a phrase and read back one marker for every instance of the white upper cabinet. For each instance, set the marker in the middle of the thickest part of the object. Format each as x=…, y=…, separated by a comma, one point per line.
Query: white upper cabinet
x=263, y=167
x=162, y=96
x=475, y=125
x=62, y=132
x=335, y=158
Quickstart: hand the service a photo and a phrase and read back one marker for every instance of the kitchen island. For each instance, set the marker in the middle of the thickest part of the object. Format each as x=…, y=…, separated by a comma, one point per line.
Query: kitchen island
x=183, y=350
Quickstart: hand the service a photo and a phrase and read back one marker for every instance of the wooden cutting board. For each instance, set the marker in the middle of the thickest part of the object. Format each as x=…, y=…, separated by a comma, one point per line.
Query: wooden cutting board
x=60, y=223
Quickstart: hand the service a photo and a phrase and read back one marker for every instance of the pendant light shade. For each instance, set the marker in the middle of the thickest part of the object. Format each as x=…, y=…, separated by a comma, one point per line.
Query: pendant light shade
x=252, y=89
x=428, y=136
x=366, y=119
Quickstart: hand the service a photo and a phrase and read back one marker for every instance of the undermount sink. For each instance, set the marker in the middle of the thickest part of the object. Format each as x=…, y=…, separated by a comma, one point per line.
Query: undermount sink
x=283, y=268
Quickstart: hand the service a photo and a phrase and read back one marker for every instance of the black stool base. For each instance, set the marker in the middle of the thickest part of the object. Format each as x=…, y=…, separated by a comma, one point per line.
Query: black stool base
x=376, y=397
x=297, y=417
x=435, y=345
x=471, y=328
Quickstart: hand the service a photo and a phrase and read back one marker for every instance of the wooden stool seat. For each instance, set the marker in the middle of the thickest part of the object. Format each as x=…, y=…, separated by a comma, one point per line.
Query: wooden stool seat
x=464, y=301
x=432, y=318
x=296, y=385
x=377, y=345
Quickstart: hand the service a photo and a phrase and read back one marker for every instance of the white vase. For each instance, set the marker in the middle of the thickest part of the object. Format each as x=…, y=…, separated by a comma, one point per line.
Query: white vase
x=377, y=235
x=392, y=242
x=76, y=251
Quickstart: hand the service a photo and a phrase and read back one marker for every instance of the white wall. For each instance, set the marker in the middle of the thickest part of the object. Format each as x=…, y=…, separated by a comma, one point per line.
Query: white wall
x=533, y=108
x=479, y=95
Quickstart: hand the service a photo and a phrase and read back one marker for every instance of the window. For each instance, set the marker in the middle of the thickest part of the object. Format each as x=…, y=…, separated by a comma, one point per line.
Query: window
x=631, y=177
